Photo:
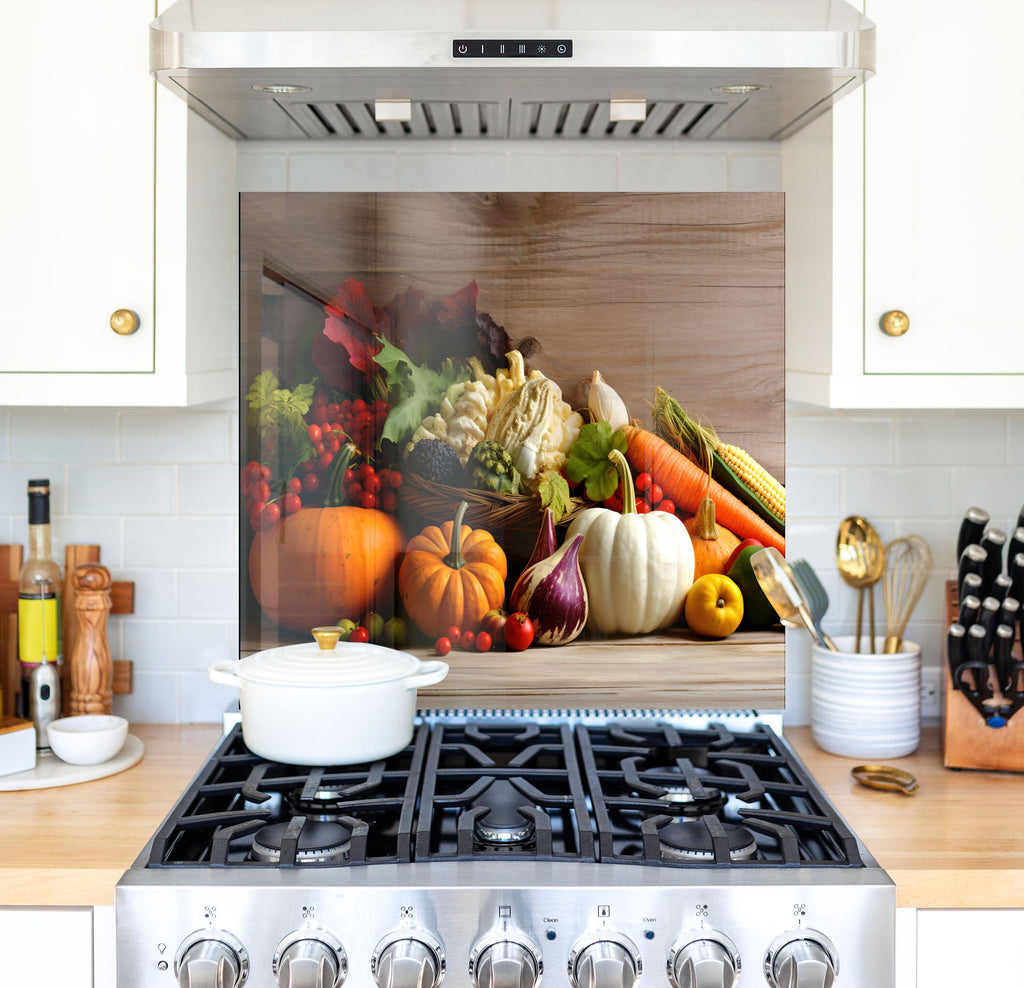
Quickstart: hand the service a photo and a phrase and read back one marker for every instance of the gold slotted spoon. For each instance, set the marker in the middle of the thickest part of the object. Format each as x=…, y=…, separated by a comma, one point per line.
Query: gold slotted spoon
x=860, y=559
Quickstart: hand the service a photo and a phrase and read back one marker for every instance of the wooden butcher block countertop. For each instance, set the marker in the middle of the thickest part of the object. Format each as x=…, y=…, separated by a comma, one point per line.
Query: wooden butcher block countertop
x=957, y=843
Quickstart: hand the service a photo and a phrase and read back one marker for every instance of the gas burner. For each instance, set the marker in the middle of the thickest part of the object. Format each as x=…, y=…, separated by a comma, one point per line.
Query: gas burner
x=318, y=843
x=691, y=841
x=502, y=823
x=681, y=800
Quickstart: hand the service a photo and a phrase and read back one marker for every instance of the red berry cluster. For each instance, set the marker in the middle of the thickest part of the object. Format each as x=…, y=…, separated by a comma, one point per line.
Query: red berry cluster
x=650, y=497
x=360, y=422
x=370, y=488
x=262, y=511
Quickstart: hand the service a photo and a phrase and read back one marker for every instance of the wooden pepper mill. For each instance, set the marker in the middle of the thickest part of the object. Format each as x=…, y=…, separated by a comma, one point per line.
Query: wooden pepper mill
x=92, y=670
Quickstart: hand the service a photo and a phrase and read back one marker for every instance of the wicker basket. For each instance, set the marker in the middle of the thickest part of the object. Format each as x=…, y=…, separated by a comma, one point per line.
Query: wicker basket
x=513, y=519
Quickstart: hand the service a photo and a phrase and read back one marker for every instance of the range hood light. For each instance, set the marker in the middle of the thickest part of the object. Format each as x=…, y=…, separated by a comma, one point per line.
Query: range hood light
x=393, y=109
x=627, y=109
x=281, y=90
x=741, y=89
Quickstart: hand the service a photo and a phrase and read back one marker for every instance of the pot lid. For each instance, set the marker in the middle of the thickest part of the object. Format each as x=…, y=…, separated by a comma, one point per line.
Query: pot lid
x=328, y=662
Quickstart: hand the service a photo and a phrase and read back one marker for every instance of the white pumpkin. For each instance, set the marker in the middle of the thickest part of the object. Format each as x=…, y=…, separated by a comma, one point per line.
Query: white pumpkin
x=637, y=568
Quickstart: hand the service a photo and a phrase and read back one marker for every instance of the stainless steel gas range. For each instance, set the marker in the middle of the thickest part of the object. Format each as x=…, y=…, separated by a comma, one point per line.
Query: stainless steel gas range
x=585, y=850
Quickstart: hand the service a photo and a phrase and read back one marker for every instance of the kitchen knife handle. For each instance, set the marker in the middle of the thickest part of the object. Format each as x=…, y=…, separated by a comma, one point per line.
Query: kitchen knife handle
x=1009, y=612
x=1016, y=574
x=972, y=560
x=956, y=650
x=1016, y=545
x=1002, y=661
x=992, y=542
x=988, y=618
x=971, y=527
x=1001, y=586
x=977, y=660
x=970, y=608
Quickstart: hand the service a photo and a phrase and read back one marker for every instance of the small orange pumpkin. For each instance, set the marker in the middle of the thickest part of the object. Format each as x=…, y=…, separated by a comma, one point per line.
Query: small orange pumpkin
x=452, y=575
x=712, y=543
x=322, y=564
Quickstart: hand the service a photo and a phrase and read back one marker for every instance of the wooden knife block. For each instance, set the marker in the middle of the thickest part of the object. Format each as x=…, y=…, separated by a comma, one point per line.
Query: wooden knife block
x=967, y=741
x=122, y=599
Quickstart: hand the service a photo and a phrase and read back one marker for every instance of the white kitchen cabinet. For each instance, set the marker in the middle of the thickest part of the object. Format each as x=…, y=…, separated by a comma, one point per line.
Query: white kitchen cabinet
x=47, y=947
x=968, y=947
x=908, y=197
x=113, y=197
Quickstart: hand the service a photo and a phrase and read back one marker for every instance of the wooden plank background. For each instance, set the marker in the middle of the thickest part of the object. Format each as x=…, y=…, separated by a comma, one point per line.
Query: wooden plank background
x=682, y=290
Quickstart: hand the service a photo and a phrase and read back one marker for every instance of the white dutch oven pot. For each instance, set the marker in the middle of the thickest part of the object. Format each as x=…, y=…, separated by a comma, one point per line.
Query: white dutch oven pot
x=325, y=703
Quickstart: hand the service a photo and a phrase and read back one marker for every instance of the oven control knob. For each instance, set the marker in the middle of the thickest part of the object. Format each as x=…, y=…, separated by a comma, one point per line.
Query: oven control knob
x=211, y=959
x=606, y=960
x=310, y=959
x=408, y=959
x=510, y=962
x=707, y=960
x=801, y=959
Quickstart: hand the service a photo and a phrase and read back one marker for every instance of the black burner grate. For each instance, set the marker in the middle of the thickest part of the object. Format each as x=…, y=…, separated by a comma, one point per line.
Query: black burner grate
x=634, y=792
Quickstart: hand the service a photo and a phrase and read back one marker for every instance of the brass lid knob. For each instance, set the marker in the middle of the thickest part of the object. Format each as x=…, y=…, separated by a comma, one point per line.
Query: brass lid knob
x=895, y=323
x=124, y=322
x=327, y=637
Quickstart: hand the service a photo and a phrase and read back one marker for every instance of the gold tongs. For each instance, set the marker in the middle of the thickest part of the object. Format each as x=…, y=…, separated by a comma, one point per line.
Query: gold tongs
x=885, y=777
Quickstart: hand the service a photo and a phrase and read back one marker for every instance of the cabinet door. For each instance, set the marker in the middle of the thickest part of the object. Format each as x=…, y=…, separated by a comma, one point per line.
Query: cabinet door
x=76, y=186
x=953, y=945
x=47, y=948
x=944, y=201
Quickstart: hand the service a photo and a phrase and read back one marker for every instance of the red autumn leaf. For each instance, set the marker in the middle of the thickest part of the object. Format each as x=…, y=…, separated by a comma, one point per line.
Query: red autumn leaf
x=459, y=309
x=352, y=303
x=350, y=324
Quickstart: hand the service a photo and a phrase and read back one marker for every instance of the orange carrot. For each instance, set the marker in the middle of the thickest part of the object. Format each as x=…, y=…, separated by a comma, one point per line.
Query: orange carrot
x=686, y=484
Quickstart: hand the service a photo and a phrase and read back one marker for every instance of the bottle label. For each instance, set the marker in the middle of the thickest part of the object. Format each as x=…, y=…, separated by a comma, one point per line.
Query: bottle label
x=38, y=629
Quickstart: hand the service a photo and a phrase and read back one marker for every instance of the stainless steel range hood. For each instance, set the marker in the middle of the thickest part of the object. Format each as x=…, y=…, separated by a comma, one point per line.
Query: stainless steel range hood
x=496, y=69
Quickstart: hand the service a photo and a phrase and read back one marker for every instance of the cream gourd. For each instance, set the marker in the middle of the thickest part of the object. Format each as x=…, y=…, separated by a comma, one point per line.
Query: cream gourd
x=637, y=568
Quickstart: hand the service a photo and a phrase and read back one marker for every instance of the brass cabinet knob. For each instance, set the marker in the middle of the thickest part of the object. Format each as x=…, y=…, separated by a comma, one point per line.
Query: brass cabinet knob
x=895, y=323
x=124, y=322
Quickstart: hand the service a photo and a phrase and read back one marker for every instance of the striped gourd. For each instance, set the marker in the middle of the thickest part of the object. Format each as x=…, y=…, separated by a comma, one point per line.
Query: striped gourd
x=734, y=468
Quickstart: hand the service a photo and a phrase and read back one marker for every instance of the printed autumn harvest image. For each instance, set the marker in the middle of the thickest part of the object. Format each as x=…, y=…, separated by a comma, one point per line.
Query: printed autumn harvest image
x=474, y=424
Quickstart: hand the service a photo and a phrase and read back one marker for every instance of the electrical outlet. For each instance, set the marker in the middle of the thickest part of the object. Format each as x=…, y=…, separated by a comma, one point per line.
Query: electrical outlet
x=931, y=690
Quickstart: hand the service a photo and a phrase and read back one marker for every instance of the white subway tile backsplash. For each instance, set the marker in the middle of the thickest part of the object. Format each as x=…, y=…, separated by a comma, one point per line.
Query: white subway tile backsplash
x=812, y=492
x=177, y=645
x=157, y=592
x=999, y=490
x=209, y=593
x=155, y=698
x=261, y=172
x=446, y=172
x=121, y=490
x=81, y=437
x=891, y=492
x=345, y=172
x=14, y=478
x=203, y=701
x=837, y=440
x=180, y=542
x=567, y=172
x=180, y=437
x=100, y=530
x=649, y=172
x=209, y=490
x=929, y=440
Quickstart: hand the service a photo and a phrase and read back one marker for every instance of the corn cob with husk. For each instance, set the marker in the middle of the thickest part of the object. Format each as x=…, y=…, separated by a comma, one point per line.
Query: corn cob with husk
x=734, y=468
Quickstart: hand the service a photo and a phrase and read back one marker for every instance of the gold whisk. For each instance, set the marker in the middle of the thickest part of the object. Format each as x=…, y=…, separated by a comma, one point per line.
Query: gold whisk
x=908, y=562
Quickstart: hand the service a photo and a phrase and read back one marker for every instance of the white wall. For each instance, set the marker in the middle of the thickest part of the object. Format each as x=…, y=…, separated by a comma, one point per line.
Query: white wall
x=157, y=489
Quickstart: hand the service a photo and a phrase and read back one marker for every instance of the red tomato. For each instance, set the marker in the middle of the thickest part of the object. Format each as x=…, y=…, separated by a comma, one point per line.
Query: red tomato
x=334, y=411
x=371, y=483
x=265, y=473
x=359, y=634
x=518, y=632
x=454, y=633
x=394, y=479
x=292, y=503
x=666, y=505
x=314, y=433
x=261, y=491
x=644, y=481
x=270, y=515
x=655, y=494
x=311, y=483
x=483, y=642
x=389, y=500
x=442, y=646
x=467, y=640
x=295, y=485
x=643, y=506
x=358, y=406
x=368, y=499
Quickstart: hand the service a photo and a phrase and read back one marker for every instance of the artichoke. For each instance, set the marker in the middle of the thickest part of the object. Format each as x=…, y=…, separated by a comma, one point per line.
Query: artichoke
x=490, y=468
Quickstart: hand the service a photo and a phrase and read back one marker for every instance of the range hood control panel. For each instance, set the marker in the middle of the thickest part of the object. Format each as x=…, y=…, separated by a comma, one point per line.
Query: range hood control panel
x=515, y=48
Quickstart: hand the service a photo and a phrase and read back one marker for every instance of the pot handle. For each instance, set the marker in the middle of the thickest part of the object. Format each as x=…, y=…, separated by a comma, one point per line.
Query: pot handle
x=430, y=673
x=224, y=672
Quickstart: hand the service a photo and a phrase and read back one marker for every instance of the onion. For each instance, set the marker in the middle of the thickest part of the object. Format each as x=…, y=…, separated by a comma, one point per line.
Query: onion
x=547, y=541
x=552, y=593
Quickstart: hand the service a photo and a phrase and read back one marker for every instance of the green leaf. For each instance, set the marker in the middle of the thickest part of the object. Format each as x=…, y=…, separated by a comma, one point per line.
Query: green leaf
x=415, y=390
x=278, y=415
x=554, y=494
x=589, y=459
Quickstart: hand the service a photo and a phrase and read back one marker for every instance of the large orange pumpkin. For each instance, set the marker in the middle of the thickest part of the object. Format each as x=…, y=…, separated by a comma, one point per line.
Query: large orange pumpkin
x=322, y=564
x=446, y=580
x=712, y=543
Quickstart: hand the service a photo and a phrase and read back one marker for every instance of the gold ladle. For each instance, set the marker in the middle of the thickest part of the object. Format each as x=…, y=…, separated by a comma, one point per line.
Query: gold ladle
x=860, y=558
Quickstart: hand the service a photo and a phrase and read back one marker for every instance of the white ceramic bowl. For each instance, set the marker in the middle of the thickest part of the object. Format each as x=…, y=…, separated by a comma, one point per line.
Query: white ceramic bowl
x=88, y=739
